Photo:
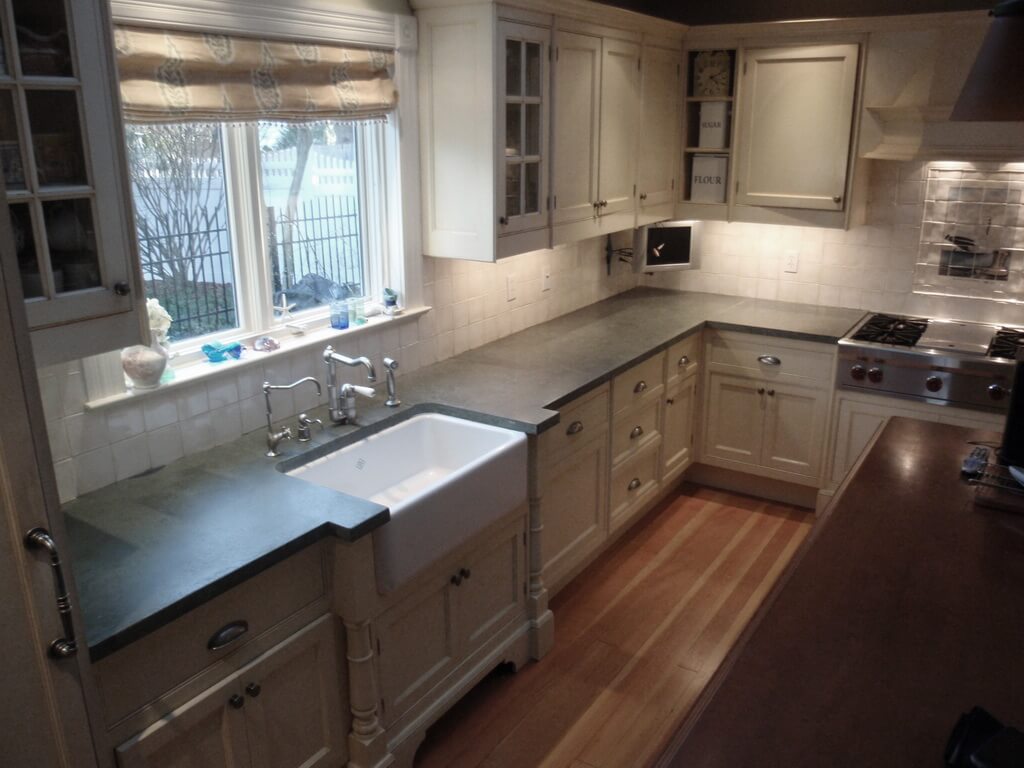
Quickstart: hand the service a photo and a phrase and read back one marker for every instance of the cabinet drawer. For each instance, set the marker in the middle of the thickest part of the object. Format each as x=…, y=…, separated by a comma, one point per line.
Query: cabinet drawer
x=771, y=358
x=635, y=429
x=580, y=421
x=683, y=358
x=632, y=482
x=156, y=663
x=639, y=383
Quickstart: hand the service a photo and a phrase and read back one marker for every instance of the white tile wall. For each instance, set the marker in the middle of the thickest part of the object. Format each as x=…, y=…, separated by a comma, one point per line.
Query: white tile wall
x=868, y=267
x=94, y=448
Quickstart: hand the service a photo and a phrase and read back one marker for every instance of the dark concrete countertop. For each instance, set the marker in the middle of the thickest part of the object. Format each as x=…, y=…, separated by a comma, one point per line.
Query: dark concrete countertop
x=148, y=549
x=901, y=611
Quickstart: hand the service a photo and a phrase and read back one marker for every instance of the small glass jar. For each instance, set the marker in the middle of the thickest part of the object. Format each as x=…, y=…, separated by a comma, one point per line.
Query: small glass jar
x=340, y=314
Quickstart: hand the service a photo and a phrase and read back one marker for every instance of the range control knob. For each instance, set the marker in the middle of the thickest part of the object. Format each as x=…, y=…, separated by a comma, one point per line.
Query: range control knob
x=996, y=391
x=858, y=372
x=933, y=383
x=875, y=375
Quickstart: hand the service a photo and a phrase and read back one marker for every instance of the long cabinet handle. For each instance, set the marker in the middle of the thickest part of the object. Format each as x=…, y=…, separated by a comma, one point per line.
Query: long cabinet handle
x=575, y=428
x=63, y=647
x=769, y=360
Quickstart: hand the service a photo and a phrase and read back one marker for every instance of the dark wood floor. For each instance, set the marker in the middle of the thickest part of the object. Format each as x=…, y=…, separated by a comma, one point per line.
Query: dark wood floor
x=637, y=636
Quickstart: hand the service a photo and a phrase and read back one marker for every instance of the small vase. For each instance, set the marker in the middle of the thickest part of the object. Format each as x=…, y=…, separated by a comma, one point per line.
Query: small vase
x=145, y=365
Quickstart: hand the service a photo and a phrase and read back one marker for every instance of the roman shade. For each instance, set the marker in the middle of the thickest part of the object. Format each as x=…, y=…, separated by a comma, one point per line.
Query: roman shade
x=170, y=76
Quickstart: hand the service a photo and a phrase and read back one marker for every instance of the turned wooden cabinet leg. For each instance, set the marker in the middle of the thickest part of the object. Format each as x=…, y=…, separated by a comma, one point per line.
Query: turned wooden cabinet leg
x=367, y=745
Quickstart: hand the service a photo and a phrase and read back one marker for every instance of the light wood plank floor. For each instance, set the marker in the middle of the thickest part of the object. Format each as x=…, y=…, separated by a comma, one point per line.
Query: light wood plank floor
x=637, y=636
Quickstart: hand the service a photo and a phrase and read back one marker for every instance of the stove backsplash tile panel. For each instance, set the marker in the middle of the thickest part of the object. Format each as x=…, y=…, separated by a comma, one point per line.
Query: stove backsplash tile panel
x=972, y=233
x=873, y=266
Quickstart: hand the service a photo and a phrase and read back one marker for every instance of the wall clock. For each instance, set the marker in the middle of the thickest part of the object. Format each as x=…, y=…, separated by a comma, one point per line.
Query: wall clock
x=712, y=74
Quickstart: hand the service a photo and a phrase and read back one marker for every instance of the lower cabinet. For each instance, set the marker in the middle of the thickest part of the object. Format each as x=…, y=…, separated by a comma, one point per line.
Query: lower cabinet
x=767, y=406
x=448, y=616
x=283, y=710
x=677, y=432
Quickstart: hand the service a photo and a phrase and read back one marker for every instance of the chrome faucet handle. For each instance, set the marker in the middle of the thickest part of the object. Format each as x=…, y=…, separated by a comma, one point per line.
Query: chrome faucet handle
x=391, y=365
x=274, y=439
x=305, y=428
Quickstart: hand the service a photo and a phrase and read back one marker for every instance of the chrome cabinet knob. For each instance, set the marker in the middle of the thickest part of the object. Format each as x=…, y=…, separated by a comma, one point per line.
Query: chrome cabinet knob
x=253, y=689
x=633, y=484
x=575, y=428
x=636, y=432
x=641, y=386
x=236, y=701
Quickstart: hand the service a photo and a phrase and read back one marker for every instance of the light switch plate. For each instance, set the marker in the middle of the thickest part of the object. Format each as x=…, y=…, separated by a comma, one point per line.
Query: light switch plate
x=792, y=263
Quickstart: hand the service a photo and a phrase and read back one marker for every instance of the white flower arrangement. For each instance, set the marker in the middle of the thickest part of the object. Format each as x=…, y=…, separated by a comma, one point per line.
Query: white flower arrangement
x=159, y=320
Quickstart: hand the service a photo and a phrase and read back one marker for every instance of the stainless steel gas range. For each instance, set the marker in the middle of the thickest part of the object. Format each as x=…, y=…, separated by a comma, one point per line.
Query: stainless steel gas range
x=943, y=362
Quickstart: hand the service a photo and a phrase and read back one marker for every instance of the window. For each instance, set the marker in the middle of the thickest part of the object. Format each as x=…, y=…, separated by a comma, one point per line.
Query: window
x=244, y=226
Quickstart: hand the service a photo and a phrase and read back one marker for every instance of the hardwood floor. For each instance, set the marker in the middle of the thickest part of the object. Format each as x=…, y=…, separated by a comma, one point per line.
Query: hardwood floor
x=637, y=636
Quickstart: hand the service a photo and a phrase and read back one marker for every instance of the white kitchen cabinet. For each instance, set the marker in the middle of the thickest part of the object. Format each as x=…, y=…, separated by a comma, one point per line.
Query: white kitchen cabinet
x=483, y=92
x=796, y=119
x=677, y=432
x=66, y=181
x=859, y=415
x=767, y=406
x=658, y=146
x=283, y=710
x=595, y=104
x=446, y=617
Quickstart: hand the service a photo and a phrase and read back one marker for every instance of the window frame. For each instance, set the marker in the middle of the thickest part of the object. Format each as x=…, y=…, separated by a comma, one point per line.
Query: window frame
x=305, y=20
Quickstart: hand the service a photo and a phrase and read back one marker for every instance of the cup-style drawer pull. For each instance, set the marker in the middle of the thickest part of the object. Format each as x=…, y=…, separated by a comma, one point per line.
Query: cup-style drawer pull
x=633, y=484
x=641, y=386
x=575, y=428
x=769, y=360
x=226, y=635
x=636, y=432
x=684, y=361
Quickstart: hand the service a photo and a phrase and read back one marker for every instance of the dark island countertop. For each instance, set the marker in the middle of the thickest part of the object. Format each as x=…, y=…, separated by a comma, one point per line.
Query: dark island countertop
x=148, y=549
x=902, y=610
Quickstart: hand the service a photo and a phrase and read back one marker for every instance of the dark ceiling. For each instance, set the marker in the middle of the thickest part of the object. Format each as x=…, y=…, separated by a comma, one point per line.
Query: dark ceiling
x=737, y=11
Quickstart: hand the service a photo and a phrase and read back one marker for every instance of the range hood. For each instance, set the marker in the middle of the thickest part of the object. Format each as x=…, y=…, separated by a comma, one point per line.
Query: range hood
x=994, y=89
x=914, y=78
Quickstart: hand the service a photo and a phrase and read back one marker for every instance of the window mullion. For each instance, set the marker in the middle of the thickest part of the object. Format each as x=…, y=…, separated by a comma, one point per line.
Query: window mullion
x=247, y=217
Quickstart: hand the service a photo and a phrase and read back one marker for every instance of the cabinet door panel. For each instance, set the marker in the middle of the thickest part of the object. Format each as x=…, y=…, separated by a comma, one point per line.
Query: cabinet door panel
x=796, y=122
x=620, y=107
x=415, y=647
x=492, y=594
x=573, y=500
x=297, y=717
x=660, y=101
x=795, y=428
x=575, y=115
x=677, y=444
x=734, y=422
x=855, y=426
x=204, y=733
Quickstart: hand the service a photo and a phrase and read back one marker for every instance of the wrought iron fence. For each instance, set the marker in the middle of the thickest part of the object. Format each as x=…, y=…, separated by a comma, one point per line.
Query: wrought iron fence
x=316, y=255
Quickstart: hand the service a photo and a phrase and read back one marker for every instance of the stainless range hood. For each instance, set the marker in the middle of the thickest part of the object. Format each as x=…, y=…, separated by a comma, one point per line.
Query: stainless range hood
x=994, y=90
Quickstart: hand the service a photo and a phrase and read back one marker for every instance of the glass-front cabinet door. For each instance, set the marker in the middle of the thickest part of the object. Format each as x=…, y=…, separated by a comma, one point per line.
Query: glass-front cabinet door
x=522, y=195
x=62, y=164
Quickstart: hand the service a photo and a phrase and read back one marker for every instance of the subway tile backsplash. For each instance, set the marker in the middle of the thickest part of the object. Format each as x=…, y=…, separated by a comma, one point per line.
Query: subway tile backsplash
x=92, y=449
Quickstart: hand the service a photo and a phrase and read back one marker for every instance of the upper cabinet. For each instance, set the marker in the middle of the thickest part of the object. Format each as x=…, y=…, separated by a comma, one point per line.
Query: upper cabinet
x=658, y=149
x=785, y=153
x=596, y=111
x=796, y=126
x=64, y=172
x=538, y=130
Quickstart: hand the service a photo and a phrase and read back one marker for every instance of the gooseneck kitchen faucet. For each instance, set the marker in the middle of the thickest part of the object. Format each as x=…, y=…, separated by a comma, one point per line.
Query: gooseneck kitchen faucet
x=342, y=399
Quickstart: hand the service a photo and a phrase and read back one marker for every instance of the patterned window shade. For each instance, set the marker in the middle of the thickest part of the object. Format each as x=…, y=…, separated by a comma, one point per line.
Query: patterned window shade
x=169, y=76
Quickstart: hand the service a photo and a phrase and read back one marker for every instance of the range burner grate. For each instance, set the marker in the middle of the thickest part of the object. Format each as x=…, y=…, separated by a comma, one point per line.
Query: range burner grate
x=1006, y=342
x=889, y=329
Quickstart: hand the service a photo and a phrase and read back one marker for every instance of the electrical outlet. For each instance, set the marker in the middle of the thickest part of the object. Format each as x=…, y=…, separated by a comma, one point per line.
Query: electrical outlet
x=545, y=279
x=792, y=261
x=510, y=288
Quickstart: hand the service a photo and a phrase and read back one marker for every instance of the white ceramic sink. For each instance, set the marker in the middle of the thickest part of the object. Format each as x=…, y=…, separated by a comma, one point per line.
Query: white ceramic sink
x=443, y=478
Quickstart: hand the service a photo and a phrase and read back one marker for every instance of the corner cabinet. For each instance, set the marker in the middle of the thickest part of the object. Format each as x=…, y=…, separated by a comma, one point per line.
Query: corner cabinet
x=483, y=94
x=65, y=178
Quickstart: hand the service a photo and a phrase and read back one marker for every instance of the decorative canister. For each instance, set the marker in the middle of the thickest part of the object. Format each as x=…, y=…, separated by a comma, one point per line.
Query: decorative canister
x=144, y=365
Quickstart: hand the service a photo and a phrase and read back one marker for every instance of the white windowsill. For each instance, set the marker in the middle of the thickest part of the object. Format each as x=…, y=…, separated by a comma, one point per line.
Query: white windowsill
x=205, y=370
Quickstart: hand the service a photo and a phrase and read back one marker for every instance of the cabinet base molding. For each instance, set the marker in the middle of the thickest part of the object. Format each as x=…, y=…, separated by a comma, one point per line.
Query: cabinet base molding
x=515, y=650
x=542, y=635
x=752, y=485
